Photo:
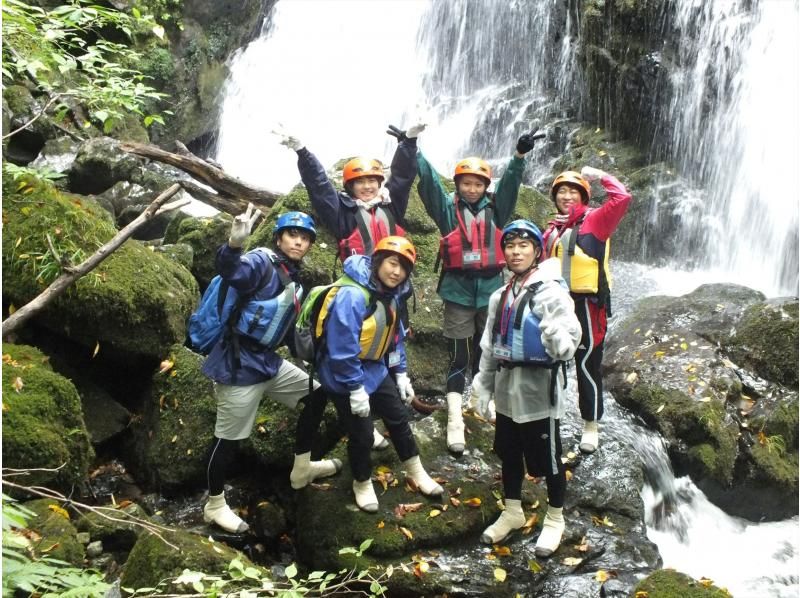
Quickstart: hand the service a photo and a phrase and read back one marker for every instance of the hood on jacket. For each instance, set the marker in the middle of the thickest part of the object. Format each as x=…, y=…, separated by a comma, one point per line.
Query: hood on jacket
x=549, y=269
x=359, y=268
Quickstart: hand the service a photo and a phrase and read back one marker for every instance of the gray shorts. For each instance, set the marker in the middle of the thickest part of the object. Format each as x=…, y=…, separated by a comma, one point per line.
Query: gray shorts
x=237, y=405
x=461, y=321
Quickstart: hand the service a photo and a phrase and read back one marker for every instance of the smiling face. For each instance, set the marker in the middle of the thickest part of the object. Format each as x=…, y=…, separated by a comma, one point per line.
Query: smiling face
x=566, y=197
x=365, y=188
x=294, y=243
x=520, y=254
x=391, y=272
x=471, y=187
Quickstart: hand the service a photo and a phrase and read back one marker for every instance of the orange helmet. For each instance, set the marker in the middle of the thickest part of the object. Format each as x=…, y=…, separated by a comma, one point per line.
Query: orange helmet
x=361, y=167
x=474, y=166
x=573, y=179
x=399, y=245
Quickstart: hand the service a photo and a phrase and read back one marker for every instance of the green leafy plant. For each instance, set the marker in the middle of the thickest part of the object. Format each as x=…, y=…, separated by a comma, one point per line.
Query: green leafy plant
x=67, y=52
x=25, y=571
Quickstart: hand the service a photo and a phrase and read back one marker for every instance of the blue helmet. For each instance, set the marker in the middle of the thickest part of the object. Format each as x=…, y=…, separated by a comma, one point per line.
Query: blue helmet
x=522, y=229
x=299, y=220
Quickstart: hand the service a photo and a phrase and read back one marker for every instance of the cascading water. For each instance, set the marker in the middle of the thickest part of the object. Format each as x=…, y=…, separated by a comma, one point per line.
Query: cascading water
x=485, y=73
x=734, y=117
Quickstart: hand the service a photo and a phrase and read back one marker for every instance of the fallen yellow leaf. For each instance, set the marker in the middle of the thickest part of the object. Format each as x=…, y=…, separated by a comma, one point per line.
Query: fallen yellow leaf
x=500, y=574
x=601, y=576
x=381, y=524
x=501, y=550
x=572, y=561
x=705, y=582
x=434, y=513
x=473, y=502
x=660, y=409
x=165, y=366
x=407, y=532
x=18, y=384
x=59, y=510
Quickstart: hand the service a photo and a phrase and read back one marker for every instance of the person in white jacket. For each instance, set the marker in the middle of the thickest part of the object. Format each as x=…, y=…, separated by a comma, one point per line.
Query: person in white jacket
x=531, y=329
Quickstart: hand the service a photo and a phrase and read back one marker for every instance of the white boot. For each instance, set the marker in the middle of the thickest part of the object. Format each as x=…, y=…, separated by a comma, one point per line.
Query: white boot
x=510, y=519
x=455, y=423
x=365, y=496
x=590, y=438
x=306, y=471
x=552, y=530
x=216, y=510
x=379, y=441
x=426, y=484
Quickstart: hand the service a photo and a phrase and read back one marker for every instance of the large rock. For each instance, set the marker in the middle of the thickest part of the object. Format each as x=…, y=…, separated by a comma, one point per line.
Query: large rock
x=59, y=538
x=172, y=438
x=135, y=301
x=43, y=424
x=204, y=236
x=604, y=514
x=733, y=432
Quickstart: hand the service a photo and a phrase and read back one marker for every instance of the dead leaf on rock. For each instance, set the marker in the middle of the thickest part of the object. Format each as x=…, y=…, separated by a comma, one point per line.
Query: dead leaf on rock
x=572, y=561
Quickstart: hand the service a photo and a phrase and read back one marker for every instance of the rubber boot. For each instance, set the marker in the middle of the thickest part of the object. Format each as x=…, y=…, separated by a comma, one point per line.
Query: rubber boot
x=379, y=441
x=455, y=424
x=510, y=519
x=365, y=496
x=216, y=510
x=306, y=471
x=590, y=439
x=552, y=530
x=426, y=484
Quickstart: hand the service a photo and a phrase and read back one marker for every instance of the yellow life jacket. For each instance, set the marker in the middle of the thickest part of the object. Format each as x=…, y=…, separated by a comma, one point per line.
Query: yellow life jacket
x=580, y=270
x=378, y=328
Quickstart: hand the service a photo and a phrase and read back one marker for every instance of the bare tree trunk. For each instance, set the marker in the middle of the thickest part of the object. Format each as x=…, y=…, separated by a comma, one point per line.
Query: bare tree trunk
x=231, y=205
x=227, y=186
x=73, y=273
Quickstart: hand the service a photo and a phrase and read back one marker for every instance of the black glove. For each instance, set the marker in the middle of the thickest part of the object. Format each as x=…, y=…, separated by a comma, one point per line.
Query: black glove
x=398, y=133
x=526, y=141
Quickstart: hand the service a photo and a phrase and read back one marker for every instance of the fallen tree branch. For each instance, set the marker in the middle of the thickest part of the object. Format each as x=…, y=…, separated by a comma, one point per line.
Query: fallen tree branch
x=71, y=274
x=227, y=186
x=230, y=205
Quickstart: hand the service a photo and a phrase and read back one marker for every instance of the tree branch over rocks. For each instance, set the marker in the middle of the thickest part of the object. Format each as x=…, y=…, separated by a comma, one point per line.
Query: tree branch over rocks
x=73, y=273
x=232, y=193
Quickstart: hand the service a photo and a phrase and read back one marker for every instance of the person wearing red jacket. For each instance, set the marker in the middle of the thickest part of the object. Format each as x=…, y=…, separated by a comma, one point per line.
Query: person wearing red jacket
x=579, y=237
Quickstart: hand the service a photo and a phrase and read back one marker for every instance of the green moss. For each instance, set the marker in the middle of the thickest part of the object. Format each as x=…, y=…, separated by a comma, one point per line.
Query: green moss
x=204, y=235
x=668, y=583
x=59, y=537
x=43, y=423
x=152, y=560
x=766, y=339
x=773, y=463
x=115, y=535
x=158, y=64
x=135, y=300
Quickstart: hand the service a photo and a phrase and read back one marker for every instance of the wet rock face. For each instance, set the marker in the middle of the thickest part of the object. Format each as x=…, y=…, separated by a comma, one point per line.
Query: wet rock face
x=679, y=363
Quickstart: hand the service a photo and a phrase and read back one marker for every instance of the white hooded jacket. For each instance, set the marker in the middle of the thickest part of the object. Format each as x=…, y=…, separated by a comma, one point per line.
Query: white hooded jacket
x=523, y=393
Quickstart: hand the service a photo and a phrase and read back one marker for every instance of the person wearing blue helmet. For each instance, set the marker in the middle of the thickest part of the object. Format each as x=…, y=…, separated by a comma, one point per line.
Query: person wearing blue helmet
x=245, y=368
x=531, y=330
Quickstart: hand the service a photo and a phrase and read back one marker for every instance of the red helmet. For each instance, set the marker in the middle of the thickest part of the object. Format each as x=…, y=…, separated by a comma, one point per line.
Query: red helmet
x=361, y=167
x=398, y=245
x=474, y=166
x=573, y=179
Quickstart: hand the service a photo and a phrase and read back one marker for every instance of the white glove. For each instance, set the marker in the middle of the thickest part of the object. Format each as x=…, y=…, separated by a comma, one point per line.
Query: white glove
x=591, y=174
x=481, y=397
x=404, y=387
x=414, y=130
x=359, y=402
x=293, y=143
x=242, y=225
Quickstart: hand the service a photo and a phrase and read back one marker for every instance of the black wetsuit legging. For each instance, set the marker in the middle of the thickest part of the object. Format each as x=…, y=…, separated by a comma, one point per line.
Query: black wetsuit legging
x=223, y=450
x=463, y=352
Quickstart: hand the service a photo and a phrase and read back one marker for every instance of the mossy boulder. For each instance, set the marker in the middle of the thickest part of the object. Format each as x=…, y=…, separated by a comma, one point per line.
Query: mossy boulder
x=152, y=560
x=100, y=164
x=204, y=236
x=117, y=528
x=59, y=538
x=135, y=301
x=731, y=432
x=668, y=583
x=766, y=341
x=43, y=424
x=176, y=428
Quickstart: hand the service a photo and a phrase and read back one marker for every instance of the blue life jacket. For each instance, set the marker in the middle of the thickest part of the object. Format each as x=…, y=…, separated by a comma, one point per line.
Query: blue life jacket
x=264, y=321
x=516, y=336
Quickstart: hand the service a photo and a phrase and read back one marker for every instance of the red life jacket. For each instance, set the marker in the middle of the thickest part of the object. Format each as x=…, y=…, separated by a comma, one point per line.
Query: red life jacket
x=371, y=227
x=474, y=245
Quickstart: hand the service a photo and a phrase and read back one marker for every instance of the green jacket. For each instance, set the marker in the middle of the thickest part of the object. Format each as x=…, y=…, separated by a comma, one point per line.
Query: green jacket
x=464, y=289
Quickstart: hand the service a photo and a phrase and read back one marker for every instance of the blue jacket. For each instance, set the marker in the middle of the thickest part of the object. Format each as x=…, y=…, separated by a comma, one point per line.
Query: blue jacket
x=338, y=366
x=246, y=273
x=336, y=209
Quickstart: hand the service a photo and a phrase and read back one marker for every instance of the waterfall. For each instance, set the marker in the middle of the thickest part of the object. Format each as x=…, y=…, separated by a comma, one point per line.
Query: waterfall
x=734, y=117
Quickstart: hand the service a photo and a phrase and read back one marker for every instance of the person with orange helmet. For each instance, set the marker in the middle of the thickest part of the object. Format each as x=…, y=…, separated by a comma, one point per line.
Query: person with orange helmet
x=471, y=255
x=362, y=365
x=579, y=237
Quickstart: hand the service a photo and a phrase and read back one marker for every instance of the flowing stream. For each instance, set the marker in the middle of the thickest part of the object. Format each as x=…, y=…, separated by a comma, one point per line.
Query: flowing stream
x=335, y=74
